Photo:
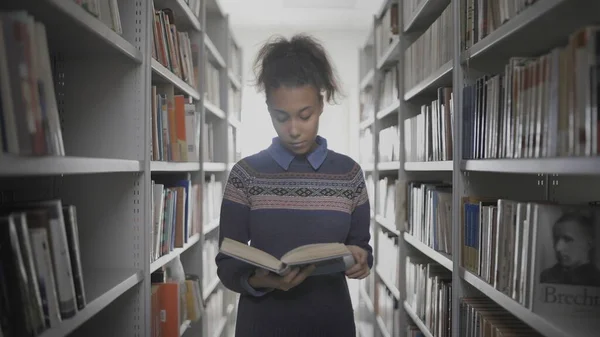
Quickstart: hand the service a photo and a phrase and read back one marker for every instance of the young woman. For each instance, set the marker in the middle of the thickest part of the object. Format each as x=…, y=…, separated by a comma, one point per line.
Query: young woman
x=295, y=192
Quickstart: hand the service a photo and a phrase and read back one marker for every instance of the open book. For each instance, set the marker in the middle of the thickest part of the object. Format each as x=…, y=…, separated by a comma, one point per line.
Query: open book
x=327, y=257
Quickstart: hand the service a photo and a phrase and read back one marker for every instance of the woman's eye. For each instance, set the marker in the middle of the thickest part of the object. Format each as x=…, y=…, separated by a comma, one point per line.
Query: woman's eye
x=305, y=118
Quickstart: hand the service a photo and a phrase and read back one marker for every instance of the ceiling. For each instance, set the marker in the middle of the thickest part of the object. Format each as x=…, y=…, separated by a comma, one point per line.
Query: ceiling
x=304, y=14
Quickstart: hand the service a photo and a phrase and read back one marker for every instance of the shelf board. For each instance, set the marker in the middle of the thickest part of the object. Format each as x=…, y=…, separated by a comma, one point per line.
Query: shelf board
x=418, y=322
x=564, y=165
x=235, y=122
x=367, y=80
x=531, y=32
x=214, y=167
x=213, y=109
x=368, y=167
x=388, y=284
x=366, y=123
x=234, y=79
x=215, y=56
x=184, y=326
x=72, y=30
x=163, y=75
x=391, y=55
x=163, y=260
x=184, y=17
x=527, y=316
x=425, y=15
x=388, y=110
x=382, y=328
x=429, y=166
x=388, y=225
x=210, y=227
x=57, y=165
x=165, y=166
x=439, y=78
x=430, y=252
x=210, y=288
x=388, y=166
x=101, y=298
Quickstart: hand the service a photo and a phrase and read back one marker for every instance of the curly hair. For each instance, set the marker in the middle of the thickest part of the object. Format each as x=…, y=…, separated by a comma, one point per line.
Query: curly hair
x=299, y=61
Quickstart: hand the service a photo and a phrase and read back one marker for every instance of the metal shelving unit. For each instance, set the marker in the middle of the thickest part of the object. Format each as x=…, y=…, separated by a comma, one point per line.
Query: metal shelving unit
x=103, y=80
x=540, y=27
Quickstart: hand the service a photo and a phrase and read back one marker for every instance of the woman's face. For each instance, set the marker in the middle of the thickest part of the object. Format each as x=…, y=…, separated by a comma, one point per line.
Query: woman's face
x=295, y=113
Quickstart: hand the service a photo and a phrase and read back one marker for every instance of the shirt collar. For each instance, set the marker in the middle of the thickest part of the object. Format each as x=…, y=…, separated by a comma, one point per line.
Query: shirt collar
x=284, y=157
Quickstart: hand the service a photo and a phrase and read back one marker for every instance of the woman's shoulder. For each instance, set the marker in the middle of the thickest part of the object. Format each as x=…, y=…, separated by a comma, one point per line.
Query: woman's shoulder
x=343, y=163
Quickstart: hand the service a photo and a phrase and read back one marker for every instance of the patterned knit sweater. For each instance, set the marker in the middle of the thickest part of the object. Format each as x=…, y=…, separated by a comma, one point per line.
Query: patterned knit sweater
x=278, y=201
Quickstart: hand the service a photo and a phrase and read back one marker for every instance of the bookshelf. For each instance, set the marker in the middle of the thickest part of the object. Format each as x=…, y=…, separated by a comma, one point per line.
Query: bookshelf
x=423, y=154
x=124, y=108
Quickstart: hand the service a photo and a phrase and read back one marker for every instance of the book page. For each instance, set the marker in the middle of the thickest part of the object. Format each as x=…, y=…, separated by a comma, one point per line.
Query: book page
x=314, y=252
x=250, y=254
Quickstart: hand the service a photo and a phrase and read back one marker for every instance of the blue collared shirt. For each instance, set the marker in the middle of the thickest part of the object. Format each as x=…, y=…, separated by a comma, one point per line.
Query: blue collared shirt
x=284, y=157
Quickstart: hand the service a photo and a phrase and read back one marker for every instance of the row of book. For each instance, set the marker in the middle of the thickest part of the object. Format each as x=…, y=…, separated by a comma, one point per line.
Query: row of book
x=537, y=253
x=389, y=88
x=388, y=247
x=106, y=11
x=430, y=51
x=429, y=136
x=429, y=294
x=484, y=16
x=365, y=142
x=235, y=59
x=235, y=102
x=174, y=49
x=210, y=251
x=42, y=278
x=387, y=309
x=481, y=317
x=175, y=126
x=367, y=104
x=429, y=213
x=176, y=215
x=208, y=141
x=234, y=149
x=215, y=311
x=389, y=144
x=386, y=208
x=212, y=198
x=387, y=29
x=213, y=84
x=539, y=106
x=174, y=303
x=29, y=119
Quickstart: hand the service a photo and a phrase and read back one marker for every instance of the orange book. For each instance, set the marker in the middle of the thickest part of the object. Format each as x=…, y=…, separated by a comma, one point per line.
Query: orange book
x=168, y=298
x=181, y=140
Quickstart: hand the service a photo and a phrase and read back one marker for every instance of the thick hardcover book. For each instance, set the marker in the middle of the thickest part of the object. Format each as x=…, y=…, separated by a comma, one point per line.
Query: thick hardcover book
x=327, y=257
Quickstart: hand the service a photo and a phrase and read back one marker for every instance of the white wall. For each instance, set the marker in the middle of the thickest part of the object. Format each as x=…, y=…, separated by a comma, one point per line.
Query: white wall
x=339, y=123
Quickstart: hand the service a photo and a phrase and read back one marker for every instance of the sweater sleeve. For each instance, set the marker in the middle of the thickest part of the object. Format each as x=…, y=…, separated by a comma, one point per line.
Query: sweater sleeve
x=360, y=222
x=235, y=212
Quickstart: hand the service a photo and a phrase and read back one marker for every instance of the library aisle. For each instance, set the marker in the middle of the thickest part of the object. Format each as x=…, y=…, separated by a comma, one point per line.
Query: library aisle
x=479, y=129
x=478, y=126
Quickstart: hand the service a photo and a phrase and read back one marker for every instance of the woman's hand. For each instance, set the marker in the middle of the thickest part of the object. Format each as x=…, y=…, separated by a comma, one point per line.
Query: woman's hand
x=264, y=279
x=361, y=269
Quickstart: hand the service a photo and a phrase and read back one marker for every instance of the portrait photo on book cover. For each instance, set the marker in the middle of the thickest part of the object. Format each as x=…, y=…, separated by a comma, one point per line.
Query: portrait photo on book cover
x=567, y=240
